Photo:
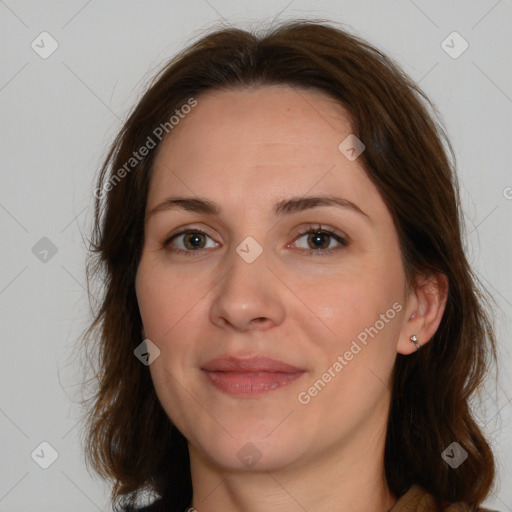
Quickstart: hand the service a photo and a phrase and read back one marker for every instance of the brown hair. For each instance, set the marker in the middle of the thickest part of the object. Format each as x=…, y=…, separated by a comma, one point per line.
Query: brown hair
x=130, y=439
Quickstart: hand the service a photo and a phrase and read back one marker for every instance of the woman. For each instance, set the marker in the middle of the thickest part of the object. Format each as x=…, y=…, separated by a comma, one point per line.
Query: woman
x=279, y=221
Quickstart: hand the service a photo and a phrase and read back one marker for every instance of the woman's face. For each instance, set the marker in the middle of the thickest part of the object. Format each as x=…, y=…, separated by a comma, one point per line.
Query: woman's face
x=276, y=347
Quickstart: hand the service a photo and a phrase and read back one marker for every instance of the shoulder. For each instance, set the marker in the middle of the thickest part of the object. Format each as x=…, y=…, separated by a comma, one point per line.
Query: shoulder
x=417, y=499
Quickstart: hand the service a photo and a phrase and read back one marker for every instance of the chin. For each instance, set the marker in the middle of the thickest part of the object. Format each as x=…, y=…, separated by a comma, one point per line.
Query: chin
x=252, y=453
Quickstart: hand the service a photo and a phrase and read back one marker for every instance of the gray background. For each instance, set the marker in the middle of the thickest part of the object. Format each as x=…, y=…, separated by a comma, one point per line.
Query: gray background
x=58, y=116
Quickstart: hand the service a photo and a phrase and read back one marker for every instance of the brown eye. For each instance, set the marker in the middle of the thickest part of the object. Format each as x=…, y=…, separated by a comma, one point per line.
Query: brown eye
x=194, y=241
x=321, y=241
x=187, y=242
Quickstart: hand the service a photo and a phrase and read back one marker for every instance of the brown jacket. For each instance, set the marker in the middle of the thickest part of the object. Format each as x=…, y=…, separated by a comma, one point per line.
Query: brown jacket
x=417, y=499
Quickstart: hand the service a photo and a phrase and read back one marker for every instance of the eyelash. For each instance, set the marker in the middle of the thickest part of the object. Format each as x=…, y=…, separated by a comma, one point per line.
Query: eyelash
x=312, y=230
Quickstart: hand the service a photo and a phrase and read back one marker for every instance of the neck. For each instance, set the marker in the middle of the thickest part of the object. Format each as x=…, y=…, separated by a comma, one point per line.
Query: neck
x=347, y=478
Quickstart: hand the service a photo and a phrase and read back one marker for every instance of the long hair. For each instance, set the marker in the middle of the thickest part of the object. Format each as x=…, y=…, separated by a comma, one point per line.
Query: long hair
x=130, y=440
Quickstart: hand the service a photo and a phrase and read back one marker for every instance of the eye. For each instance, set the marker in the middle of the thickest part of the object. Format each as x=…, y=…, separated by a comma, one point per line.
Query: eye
x=189, y=242
x=320, y=240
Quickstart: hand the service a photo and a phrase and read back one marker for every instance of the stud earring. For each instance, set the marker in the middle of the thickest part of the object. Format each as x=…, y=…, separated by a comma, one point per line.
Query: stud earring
x=414, y=339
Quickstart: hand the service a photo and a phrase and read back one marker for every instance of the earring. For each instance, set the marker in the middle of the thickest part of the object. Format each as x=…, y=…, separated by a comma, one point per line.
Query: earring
x=414, y=339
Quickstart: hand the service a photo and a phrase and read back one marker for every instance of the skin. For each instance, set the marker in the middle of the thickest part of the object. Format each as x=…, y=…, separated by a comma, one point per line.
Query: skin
x=246, y=149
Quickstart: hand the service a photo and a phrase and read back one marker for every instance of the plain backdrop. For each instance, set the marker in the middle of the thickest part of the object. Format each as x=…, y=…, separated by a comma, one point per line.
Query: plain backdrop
x=60, y=113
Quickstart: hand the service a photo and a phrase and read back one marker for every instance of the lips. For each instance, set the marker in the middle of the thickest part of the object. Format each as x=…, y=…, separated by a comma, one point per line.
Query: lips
x=249, y=365
x=250, y=376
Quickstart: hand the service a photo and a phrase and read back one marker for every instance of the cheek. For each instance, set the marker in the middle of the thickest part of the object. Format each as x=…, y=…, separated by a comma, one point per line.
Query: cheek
x=356, y=354
x=167, y=300
x=340, y=302
x=174, y=309
x=171, y=306
x=345, y=304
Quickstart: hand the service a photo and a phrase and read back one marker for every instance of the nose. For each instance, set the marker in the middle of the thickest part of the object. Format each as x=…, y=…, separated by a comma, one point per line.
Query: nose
x=248, y=296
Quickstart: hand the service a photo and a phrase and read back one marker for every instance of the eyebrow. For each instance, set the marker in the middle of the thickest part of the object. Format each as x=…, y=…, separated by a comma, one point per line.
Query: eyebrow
x=281, y=208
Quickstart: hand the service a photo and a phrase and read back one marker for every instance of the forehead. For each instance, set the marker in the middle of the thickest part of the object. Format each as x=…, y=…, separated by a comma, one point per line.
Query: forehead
x=244, y=145
x=269, y=120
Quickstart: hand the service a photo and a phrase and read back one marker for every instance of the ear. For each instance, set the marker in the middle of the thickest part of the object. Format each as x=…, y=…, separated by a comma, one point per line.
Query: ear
x=423, y=312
